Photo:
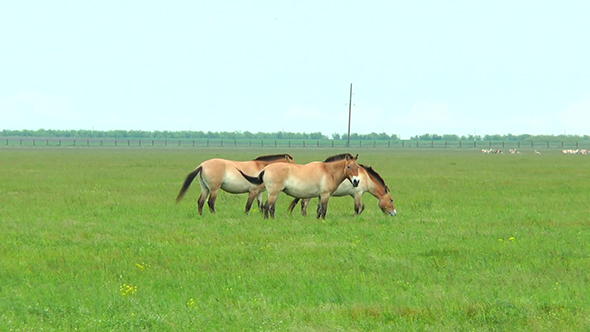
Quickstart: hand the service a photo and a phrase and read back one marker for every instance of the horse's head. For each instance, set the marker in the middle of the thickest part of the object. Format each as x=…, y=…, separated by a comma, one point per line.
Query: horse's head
x=352, y=170
x=386, y=203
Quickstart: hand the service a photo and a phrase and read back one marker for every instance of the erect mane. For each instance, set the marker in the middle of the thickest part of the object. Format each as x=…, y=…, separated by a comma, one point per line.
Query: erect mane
x=273, y=157
x=338, y=157
x=375, y=175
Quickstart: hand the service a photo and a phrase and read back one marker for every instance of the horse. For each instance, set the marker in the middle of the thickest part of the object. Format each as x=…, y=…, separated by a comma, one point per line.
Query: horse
x=315, y=179
x=218, y=174
x=370, y=182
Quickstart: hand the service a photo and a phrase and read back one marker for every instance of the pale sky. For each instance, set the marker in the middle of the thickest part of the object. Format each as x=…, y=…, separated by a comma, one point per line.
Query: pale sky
x=444, y=67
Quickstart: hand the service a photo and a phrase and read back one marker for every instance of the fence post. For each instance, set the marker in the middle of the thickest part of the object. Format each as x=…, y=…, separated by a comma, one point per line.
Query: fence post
x=388, y=144
x=332, y=143
x=152, y=142
x=139, y=142
x=115, y=142
x=318, y=144
x=547, y=144
x=275, y=143
x=74, y=142
x=374, y=144
x=262, y=142
x=87, y=142
x=502, y=144
x=179, y=143
x=402, y=144
x=33, y=142
x=289, y=143
x=166, y=142
x=207, y=143
x=221, y=143
x=360, y=143
x=235, y=143
x=7, y=141
x=303, y=143
x=432, y=144
x=519, y=145
x=250, y=142
x=100, y=142
x=47, y=142
x=460, y=144
x=446, y=144
x=532, y=144
x=59, y=142
x=128, y=142
x=576, y=145
x=562, y=145
x=474, y=144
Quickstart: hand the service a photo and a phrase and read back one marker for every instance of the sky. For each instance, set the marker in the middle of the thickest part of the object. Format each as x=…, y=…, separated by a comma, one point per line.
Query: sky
x=444, y=67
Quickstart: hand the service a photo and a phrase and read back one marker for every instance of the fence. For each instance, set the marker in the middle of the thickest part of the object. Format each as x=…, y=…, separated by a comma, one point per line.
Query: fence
x=111, y=142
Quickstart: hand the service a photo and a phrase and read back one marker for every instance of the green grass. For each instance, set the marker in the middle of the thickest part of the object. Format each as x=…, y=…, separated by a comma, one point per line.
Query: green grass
x=92, y=239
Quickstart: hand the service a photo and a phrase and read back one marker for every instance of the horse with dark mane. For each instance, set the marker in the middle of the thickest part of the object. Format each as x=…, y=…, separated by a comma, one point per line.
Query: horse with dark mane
x=315, y=179
x=371, y=182
x=215, y=174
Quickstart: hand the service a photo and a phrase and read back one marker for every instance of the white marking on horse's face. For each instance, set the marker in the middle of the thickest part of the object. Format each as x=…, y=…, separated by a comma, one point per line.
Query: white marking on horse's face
x=355, y=181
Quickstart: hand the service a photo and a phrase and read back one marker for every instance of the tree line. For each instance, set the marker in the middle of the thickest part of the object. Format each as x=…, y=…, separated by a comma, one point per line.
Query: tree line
x=235, y=135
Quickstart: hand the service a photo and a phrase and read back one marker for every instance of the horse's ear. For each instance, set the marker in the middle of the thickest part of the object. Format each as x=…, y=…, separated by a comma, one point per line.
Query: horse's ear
x=357, y=157
x=346, y=157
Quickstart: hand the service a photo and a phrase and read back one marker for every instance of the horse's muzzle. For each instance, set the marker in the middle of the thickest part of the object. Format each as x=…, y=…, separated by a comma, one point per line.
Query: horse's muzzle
x=355, y=182
x=393, y=213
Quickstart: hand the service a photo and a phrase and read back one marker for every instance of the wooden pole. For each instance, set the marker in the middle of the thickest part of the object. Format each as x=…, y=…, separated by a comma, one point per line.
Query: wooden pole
x=349, y=115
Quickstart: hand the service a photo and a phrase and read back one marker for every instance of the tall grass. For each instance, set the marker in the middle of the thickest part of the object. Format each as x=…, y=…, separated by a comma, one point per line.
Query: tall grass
x=92, y=239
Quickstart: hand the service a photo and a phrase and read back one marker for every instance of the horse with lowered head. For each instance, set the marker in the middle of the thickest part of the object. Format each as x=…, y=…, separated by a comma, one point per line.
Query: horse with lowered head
x=315, y=179
x=371, y=182
x=215, y=174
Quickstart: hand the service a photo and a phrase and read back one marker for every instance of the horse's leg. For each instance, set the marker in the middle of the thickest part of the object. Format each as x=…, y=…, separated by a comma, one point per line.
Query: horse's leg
x=304, y=204
x=294, y=204
x=358, y=205
x=204, y=193
x=323, y=206
x=269, y=207
x=202, y=198
x=251, y=197
x=255, y=194
x=211, y=201
x=260, y=201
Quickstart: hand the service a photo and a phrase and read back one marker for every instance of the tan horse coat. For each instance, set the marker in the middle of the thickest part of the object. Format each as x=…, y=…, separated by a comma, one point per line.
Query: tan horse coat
x=315, y=179
x=371, y=182
x=222, y=174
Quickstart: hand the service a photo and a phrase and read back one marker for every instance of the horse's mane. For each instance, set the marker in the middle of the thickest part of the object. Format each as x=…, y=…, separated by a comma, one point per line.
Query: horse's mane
x=338, y=157
x=376, y=175
x=273, y=157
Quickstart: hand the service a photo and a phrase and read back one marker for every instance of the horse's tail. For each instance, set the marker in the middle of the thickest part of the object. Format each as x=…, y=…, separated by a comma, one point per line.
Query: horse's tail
x=257, y=180
x=293, y=205
x=187, y=183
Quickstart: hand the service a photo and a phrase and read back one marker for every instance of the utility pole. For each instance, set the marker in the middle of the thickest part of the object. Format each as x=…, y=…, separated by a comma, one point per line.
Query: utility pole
x=349, y=115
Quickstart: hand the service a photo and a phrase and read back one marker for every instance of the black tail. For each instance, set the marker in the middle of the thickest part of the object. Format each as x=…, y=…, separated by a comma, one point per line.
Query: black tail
x=293, y=205
x=257, y=180
x=187, y=183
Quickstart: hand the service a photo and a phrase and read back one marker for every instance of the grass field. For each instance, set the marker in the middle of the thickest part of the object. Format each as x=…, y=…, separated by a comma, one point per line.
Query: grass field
x=91, y=239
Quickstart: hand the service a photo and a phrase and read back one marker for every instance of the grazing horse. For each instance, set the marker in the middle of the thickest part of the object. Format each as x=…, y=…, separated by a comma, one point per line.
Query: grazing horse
x=316, y=179
x=222, y=173
x=371, y=182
